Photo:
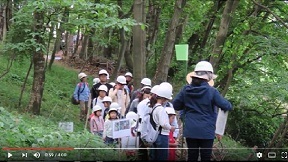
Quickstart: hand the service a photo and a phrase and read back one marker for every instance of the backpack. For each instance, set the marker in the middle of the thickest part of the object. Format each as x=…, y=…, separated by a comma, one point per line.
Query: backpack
x=73, y=100
x=149, y=132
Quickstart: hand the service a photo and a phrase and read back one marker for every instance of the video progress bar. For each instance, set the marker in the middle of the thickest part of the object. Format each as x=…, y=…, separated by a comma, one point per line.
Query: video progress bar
x=37, y=148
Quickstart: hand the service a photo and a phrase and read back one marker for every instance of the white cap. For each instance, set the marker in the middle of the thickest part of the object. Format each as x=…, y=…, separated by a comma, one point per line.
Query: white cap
x=96, y=108
x=163, y=91
x=154, y=89
x=146, y=81
x=112, y=83
x=170, y=111
x=129, y=74
x=81, y=75
x=96, y=80
x=103, y=88
x=115, y=105
x=112, y=109
x=108, y=76
x=121, y=79
x=145, y=87
x=103, y=71
x=131, y=115
x=107, y=99
x=166, y=84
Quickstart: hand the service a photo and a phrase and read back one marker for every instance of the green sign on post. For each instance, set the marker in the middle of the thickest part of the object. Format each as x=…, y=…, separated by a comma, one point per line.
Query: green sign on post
x=181, y=52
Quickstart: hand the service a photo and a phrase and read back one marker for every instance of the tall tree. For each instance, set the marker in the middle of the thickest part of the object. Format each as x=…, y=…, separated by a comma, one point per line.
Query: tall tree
x=83, y=51
x=59, y=32
x=39, y=65
x=122, y=45
x=222, y=33
x=5, y=17
x=167, y=50
x=139, y=45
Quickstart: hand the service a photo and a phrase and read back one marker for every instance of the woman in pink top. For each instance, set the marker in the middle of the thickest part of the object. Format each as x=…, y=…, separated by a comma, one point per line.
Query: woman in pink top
x=96, y=121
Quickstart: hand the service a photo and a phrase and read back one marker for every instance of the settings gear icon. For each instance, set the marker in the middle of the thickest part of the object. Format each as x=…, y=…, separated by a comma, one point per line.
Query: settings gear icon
x=259, y=155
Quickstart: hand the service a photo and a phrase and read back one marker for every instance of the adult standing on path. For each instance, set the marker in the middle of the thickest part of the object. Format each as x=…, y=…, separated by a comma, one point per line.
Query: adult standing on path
x=120, y=95
x=103, y=74
x=199, y=101
x=81, y=95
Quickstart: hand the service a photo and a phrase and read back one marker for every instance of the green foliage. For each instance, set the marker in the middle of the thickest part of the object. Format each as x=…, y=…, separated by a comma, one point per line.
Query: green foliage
x=235, y=150
x=257, y=105
x=100, y=17
x=59, y=86
x=42, y=132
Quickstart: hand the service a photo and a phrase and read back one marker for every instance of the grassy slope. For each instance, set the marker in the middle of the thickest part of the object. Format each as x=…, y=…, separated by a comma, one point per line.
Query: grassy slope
x=56, y=107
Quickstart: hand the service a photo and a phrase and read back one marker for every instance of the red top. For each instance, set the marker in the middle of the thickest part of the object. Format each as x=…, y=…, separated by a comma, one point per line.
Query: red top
x=172, y=152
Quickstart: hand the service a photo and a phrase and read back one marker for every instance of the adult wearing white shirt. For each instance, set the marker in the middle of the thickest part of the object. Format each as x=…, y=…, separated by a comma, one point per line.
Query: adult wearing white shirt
x=142, y=109
x=120, y=95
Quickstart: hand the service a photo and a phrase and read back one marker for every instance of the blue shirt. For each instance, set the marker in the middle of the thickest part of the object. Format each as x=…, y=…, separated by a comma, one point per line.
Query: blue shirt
x=84, y=92
x=198, y=104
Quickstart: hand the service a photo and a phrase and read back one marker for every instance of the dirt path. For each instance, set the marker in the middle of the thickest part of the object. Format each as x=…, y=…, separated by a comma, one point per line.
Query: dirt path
x=78, y=64
x=61, y=63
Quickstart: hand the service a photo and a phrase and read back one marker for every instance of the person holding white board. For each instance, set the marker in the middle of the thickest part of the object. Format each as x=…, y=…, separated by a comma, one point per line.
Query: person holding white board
x=199, y=101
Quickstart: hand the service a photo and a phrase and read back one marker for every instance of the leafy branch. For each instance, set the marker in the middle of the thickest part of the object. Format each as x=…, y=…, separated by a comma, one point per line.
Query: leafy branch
x=276, y=16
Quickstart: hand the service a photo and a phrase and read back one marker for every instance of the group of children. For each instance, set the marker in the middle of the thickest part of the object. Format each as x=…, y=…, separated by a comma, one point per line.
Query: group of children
x=197, y=103
x=112, y=101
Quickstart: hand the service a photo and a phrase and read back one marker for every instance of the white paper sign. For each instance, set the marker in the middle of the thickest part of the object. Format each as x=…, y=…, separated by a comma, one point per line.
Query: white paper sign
x=221, y=122
x=121, y=128
x=66, y=126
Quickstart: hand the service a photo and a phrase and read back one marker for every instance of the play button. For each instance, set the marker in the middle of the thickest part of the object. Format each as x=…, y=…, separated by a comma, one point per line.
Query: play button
x=9, y=154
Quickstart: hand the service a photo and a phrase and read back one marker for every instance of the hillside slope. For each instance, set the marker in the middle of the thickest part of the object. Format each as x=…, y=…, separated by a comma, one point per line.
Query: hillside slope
x=42, y=131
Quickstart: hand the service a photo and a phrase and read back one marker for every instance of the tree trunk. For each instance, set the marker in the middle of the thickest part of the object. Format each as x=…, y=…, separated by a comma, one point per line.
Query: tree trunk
x=139, y=46
x=8, y=15
x=198, y=39
x=5, y=16
x=56, y=47
x=128, y=57
x=121, y=54
x=153, y=19
x=222, y=33
x=90, y=49
x=39, y=64
x=2, y=21
x=167, y=51
x=275, y=140
x=84, y=47
x=107, y=52
x=77, y=42
x=65, y=51
x=65, y=20
x=24, y=84
x=48, y=47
